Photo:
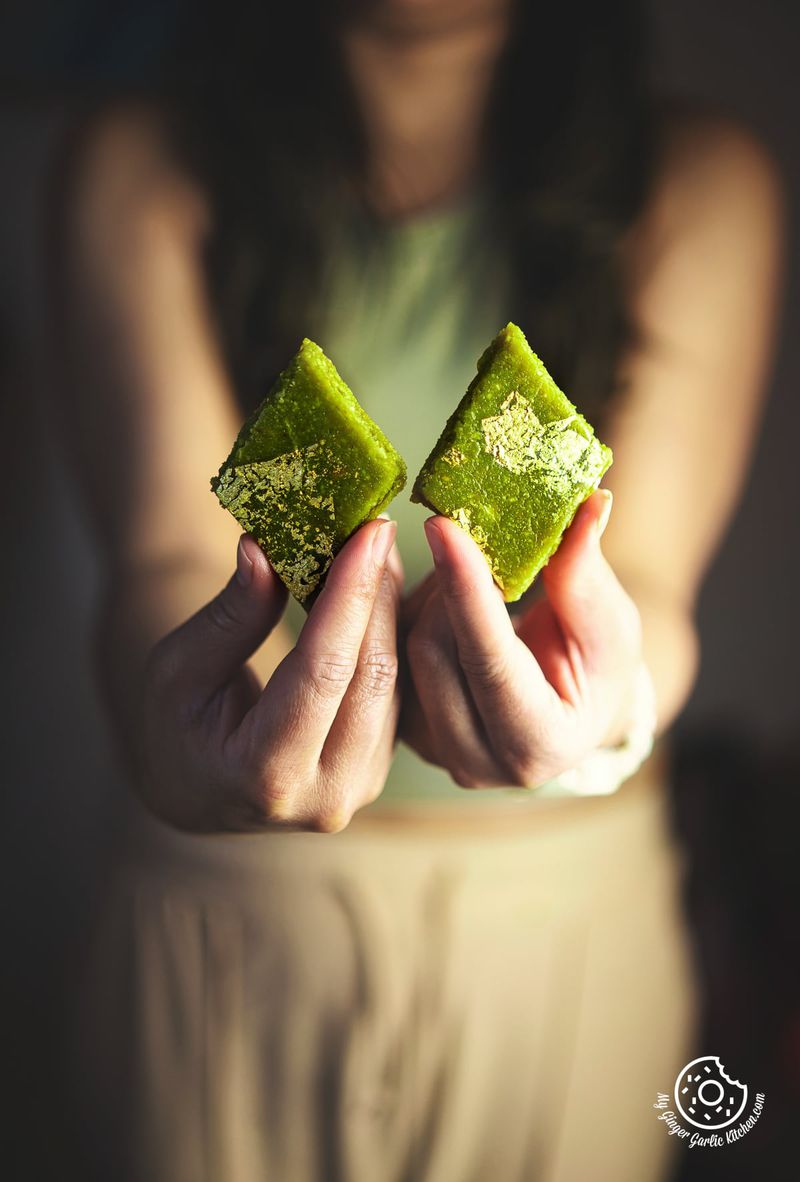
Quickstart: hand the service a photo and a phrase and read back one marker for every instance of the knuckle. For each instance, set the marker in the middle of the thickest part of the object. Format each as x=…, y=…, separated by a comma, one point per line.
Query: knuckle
x=273, y=804
x=330, y=820
x=519, y=765
x=364, y=587
x=520, y=776
x=464, y=779
x=377, y=672
x=373, y=792
x=277, y=801
x=329, y=674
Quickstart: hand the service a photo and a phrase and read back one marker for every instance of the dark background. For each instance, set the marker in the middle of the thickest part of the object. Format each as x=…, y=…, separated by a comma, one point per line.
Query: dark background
x=737, y=765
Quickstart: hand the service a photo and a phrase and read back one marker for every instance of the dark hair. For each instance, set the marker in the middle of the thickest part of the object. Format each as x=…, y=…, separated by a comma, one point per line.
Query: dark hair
x=263, y=113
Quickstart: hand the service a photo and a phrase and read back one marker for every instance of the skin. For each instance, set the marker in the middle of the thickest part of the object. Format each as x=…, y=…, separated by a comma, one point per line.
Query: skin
x=224, y=724
x=315, y=743
x=503, y=702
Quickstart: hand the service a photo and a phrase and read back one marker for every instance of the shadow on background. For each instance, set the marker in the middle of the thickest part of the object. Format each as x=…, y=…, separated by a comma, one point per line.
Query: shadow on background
x=737, y=811
x=736, y=768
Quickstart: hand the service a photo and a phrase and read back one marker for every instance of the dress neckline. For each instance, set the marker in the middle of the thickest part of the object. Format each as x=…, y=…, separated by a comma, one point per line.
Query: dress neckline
x=434, y=221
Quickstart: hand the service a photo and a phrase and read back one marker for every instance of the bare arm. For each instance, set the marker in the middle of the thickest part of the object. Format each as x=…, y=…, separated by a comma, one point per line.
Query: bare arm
x=147, y=405
x=149, y=414
x=704, y=280
x=521, y=706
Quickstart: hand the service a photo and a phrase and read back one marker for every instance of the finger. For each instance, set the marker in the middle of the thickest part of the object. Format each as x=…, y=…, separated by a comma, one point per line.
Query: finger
x=370, y=704
x=203, y=654
x=413, y=729
x=416, y=599
x=540, y=631
x=460, y=740
x=496, y=664
x=381, y=759
x=301, y=700
x=372, y=787
x=386, y=640
x=412, y=725
x=593, y=610
x=394, y=564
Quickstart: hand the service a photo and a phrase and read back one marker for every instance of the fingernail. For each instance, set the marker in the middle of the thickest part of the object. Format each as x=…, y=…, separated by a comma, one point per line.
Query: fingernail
x=395, y=563
x=434, y=536
x=602, y=520
x=382, y=542
x=244, y=564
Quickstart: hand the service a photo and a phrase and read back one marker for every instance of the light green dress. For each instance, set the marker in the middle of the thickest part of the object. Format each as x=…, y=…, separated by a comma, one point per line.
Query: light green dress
x=432, y=994
x=408, y=309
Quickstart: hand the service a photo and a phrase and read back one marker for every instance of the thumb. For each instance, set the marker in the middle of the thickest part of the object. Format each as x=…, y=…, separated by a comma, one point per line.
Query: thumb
x=592, y=608
x=210, y=648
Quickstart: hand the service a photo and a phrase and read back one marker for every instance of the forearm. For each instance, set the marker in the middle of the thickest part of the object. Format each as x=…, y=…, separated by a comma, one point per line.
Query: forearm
x=671, y=649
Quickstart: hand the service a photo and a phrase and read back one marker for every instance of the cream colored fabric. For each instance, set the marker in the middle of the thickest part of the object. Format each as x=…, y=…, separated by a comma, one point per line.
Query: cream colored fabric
x=461, y=987
x=417, y=1000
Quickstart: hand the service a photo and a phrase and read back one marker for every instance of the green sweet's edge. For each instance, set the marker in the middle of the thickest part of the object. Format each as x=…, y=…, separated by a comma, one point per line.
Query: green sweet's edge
x=351, y=414
x=511, y=338
x=315, y=359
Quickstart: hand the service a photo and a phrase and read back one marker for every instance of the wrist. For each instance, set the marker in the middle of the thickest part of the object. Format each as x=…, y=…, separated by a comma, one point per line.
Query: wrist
x=606, y=768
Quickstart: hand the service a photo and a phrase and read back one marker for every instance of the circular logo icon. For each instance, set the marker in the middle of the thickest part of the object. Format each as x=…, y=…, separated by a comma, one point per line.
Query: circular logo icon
x=706, y=1096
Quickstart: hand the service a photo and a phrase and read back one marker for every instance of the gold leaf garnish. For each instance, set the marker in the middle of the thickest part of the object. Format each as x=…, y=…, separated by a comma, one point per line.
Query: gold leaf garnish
x=517, y=439
x=258, y=492
x=463, y=517
x=453, y=456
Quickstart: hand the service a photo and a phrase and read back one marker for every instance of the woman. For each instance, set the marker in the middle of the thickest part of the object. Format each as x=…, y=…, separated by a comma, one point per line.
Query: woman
x=443, y=990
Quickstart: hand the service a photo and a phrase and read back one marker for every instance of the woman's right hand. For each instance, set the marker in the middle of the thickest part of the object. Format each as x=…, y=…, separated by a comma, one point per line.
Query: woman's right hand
x=222, y=754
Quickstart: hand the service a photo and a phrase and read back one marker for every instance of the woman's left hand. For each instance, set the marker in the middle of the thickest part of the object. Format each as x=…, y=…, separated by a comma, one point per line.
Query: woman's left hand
x=497, y=702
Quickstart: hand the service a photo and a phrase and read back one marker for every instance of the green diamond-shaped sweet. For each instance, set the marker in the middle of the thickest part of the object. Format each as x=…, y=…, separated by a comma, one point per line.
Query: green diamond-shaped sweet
x=514, y=462
x=308, y=467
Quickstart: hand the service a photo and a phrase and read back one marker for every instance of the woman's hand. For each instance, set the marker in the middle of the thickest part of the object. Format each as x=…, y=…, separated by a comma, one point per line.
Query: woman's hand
x=222, y=754
x=499, y=704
